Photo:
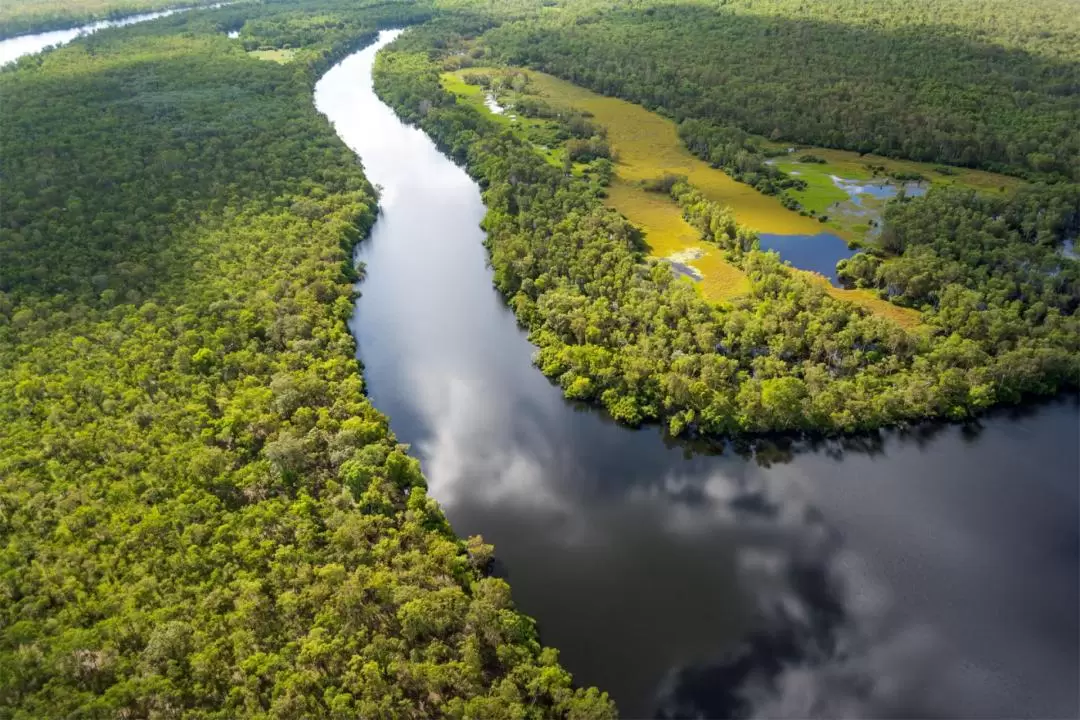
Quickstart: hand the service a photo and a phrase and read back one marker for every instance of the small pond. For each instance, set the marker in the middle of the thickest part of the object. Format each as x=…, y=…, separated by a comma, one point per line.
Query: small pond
x=816, y=253
x=878, y=190
x=492, y=104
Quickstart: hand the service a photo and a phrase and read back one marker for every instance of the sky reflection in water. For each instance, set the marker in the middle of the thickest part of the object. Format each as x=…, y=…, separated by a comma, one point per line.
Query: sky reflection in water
x=929, y=574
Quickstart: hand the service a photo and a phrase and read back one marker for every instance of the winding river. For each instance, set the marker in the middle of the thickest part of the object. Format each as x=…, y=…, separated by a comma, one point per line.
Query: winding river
x=13, y=48
x=929, y=573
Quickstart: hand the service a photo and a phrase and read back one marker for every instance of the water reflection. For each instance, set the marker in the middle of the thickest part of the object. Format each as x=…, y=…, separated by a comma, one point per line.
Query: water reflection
x=904, y=574
x=879, y=190
x=816, y=253
x=13, y=48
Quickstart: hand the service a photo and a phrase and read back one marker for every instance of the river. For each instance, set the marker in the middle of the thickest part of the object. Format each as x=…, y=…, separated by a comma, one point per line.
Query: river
x=13, y=48
x=929, y=573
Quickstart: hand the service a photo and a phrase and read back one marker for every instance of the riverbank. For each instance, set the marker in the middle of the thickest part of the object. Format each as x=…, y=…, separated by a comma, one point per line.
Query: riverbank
x=37, y=17
x=788, y=357
x=185, y=436
x=680, y=581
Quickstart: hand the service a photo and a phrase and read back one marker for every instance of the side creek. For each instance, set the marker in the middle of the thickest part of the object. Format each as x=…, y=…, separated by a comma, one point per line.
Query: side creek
x=926, y=573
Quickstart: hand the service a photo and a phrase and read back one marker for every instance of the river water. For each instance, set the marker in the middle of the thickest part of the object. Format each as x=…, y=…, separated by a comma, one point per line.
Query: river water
x=13, y=48
x=932, y=573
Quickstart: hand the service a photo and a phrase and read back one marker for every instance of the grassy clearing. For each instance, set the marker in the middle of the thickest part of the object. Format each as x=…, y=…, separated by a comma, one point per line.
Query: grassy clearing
x=851, y=220
x=668, y=235
x=868, y=299
x=278, y=56
x=666, y=232
x=529, y=129
x=474, y=95
x=648, y=146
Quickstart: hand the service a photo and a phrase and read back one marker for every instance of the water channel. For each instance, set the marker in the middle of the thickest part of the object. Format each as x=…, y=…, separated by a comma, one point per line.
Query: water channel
x=13, y=48
x=927, y=573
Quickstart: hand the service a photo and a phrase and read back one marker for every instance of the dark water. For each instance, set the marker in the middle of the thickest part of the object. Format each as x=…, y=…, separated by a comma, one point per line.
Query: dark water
x=817, y=253
x=928, y=574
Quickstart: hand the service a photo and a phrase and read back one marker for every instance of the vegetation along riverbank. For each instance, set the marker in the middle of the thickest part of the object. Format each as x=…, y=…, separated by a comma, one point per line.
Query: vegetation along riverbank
x=996, y=298
x=202, y=514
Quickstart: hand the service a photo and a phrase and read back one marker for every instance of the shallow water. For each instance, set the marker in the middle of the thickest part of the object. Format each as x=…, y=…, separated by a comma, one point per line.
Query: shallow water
x=493, y=105
x=932, y=573
x=817, y=253
x=882, y=190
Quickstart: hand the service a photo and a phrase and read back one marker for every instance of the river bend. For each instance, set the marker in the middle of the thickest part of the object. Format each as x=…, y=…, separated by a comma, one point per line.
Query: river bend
x=930, y=573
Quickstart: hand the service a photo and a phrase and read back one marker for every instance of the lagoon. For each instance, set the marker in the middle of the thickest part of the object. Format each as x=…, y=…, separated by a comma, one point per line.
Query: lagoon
x=816, y=253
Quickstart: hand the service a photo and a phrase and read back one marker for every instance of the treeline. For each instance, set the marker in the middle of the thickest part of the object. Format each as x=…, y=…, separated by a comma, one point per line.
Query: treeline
x=885, y=78
x=993, y=270
x=19, y=17
x=201, y=514
x=740, y=155
x=622, y=332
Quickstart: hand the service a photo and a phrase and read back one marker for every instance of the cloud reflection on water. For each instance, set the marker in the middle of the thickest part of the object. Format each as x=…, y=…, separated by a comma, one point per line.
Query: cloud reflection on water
x=894, y=575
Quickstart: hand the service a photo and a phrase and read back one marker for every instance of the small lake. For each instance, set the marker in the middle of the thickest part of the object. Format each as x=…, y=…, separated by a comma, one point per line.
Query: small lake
x=816, y=253
x=928, y=573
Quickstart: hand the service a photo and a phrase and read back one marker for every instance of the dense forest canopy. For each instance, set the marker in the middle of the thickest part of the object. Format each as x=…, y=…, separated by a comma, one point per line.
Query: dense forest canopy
x=200, y=511
x=944, y=82
x=201, y=514
x=626, y=334
x=18, y=17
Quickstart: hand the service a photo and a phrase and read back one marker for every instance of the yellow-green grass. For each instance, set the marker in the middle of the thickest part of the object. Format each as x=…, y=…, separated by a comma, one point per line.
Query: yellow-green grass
x=648, y=146
x=278, y=56
x=476, y=95
x=668, y=234
x=822, y=192
x=868, y=299
x=847, y=164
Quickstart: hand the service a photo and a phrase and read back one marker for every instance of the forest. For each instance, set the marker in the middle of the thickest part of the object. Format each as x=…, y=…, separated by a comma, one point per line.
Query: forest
x=949, y=82
x=201, y=513
x=25, y=16
x=617, y=330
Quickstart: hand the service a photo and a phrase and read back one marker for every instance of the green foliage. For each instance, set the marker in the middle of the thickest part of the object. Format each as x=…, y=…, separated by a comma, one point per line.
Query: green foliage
x=949, y=82
x=614, y=329
x=201, y=514
x=991, y=272
x=739, y=154
x=19, y=17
